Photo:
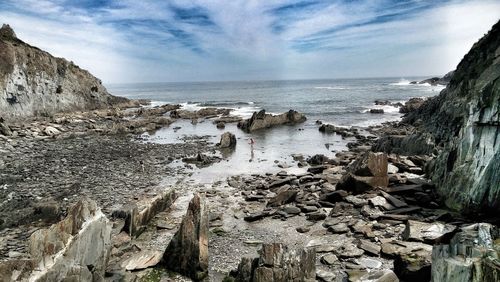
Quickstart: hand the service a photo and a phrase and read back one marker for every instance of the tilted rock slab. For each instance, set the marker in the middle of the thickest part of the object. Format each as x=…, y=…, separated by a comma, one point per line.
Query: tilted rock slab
x=260, y=120
x=278, y=264
x=138, y=214
x=74, y=249
x=187, y=253
x=367, y=172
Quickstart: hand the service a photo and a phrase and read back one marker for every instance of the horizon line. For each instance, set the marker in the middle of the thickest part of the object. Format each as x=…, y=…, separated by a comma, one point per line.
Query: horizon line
x=269, y=80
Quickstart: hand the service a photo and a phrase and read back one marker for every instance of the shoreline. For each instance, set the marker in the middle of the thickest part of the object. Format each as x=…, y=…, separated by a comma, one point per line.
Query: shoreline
x=88, y=142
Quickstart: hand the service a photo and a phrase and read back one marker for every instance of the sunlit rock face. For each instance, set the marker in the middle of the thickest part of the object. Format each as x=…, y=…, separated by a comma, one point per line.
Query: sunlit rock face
x=33, y=82
x=465, y=120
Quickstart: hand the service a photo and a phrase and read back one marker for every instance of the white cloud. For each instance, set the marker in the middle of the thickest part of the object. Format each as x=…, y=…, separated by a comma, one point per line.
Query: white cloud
x=242, y=43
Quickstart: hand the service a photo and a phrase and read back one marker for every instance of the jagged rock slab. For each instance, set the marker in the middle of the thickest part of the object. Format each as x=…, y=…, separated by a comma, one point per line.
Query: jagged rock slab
x=277, y=263
x=187, y=253
x=137, y=215
x=367, y=172
x=77, y=247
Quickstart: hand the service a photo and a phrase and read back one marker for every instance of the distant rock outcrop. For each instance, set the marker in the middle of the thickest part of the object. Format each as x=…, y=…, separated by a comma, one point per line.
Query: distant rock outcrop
x=33, y=82
x=434, y=81
x=260, y=120
x=464, y=124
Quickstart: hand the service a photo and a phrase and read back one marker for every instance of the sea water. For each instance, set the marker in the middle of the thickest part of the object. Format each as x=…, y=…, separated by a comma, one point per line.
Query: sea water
x=342, y=102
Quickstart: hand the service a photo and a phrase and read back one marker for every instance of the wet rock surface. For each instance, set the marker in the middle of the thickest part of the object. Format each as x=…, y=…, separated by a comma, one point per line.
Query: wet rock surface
x=261, y=120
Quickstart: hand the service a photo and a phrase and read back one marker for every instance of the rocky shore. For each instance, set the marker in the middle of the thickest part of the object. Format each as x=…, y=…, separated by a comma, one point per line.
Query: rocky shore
x=84, y=197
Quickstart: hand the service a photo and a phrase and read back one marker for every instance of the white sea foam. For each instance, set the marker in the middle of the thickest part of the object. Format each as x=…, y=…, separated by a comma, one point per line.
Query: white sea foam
x=155, y=104
x=388, y=109
x=427, y=87
x=402, y=82
x=245, y=112
x=241, y=111
x=332, y=87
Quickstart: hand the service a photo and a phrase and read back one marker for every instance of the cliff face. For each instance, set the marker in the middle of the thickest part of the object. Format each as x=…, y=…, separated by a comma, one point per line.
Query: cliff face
x=465, y=122
x=32, y=82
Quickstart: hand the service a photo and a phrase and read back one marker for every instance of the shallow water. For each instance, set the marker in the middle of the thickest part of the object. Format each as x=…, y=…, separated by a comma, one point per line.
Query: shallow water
x=272, y=147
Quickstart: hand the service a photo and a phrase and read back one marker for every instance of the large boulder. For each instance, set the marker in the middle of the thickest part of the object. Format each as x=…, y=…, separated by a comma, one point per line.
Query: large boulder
x=77, y=248
x=187, y=253
x=277, y=263
x=411, y=105
x=260, y=120
x=367, y=172
x=472, y=255
x=227, y=140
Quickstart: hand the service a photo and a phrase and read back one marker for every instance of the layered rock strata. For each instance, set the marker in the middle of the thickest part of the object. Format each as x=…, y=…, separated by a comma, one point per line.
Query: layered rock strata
x=33, y=82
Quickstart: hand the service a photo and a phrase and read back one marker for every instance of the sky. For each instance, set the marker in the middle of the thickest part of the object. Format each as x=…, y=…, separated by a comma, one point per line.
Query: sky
x=208, y=40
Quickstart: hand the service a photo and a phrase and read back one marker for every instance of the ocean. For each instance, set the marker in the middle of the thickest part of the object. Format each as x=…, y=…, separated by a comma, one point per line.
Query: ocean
x=342, y=102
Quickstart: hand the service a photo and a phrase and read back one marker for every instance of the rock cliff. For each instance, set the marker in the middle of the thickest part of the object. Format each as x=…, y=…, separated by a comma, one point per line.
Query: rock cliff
x=33, y=82
x=464, y=121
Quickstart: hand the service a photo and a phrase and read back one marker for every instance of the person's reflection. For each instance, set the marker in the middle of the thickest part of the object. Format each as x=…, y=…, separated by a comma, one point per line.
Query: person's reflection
x=252, y=154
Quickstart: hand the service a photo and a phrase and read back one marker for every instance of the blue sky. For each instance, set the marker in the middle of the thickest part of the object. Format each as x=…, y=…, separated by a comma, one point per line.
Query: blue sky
x=205, y=40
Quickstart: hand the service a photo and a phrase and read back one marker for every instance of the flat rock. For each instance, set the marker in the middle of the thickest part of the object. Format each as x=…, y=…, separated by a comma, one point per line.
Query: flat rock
x=369, y=247
x=370, y=263
x=339, y=228
x=334, y=196
x=303, y=229
x=142, y=260
x=379, y=201
x=283, y=197
x=326, y=276
x=385, y=275
x=393, y=200
x=291, y=210
x=349, y=251
x=316, y=216
x=356, y=200
x=329, y=259
x=427, y=232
